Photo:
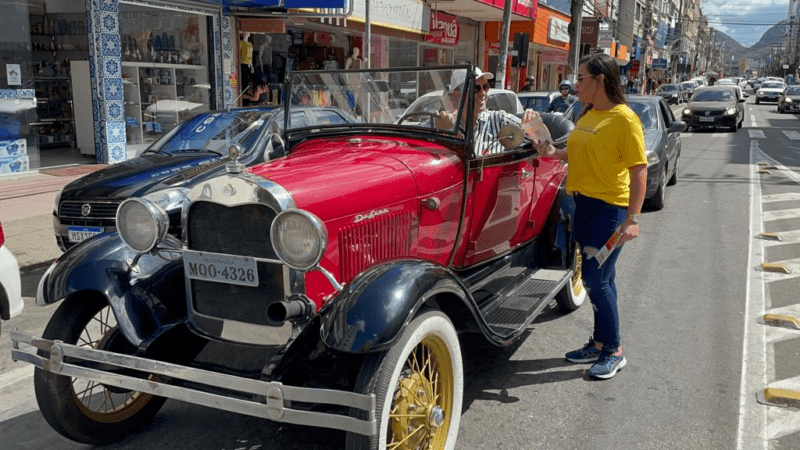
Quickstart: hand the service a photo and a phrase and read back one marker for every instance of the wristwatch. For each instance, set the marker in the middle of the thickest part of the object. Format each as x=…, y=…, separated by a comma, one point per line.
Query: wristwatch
x=634, y=218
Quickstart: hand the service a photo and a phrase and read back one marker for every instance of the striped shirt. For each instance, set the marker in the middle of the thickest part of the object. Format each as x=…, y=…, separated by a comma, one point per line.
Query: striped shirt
x=487, y=128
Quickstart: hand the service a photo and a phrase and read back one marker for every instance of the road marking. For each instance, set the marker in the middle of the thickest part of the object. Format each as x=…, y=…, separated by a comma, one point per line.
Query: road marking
x=786, y=196
x=751, y=432
x=791, y=265
x=787, y=237
x=13, y=376
x=756, y=134
x=781, y=214
x=793, y=135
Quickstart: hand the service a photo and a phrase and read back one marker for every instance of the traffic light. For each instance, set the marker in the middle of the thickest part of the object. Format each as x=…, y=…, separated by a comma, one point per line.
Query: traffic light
x=521, y=41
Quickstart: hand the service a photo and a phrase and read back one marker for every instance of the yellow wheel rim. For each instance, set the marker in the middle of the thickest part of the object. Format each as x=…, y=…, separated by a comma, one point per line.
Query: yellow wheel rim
x=577, y=280
x=423, y=401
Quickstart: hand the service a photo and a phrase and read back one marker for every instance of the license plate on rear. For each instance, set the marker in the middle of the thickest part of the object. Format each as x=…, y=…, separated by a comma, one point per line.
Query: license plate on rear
x=78, y=234
x=705, y=119
x=220, y=268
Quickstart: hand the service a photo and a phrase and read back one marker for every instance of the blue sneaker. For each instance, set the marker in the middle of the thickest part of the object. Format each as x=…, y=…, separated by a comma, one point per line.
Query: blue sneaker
x=588, y=353
x=608, y=364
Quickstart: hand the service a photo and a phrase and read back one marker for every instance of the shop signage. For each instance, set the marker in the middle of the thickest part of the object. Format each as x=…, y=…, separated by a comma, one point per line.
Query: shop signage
x=398, y=14
x=277, y=3
x=601, y=7
x=604, y=38
x=660, y=63
x=524, y=8
x=551, y=56
x=444, y=29
x=589, y=31
x=557, y=30
x=271, y=26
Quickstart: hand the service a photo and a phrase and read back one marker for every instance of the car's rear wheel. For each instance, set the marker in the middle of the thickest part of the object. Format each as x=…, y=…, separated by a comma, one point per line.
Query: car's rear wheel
x=574, y=294
x=419, y=387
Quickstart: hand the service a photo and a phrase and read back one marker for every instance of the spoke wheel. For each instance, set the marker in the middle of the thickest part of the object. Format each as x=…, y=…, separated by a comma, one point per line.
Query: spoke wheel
x=83, y=410
x=419, y=388
x=574, y=293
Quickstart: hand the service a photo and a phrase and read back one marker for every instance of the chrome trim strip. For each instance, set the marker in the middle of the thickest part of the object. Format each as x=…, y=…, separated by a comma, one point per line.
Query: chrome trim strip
x=278, y=396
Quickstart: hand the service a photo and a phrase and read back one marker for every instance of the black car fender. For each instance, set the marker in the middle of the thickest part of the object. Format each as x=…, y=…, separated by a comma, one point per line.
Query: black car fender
x=146, y=300
x=371, y=311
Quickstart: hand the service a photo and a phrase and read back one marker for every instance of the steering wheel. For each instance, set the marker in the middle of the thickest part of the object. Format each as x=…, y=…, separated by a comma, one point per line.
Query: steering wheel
x=430, y=115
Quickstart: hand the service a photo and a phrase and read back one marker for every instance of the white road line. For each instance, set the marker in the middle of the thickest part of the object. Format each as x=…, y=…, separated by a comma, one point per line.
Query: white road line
x=793, y=135
x=751, y=432
x=781, y=214
x=785, y=196
x=788, y=173
x=782, y=422
x=778, y=334
x=756, y=134
x=13, y=376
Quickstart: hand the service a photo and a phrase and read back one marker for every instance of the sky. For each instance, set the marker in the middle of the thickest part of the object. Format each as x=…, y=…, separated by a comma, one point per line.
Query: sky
x=744, y=20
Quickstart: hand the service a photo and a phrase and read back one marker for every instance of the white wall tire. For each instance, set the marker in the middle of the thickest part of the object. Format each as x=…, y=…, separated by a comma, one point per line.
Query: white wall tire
x=419, y=386
x=574, y=294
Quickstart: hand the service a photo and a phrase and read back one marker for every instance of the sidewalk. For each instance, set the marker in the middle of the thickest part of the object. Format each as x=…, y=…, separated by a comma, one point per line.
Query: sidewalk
x=27, y=200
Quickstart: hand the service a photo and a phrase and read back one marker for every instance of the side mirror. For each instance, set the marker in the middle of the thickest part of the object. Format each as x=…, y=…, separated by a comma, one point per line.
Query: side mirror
x=678, y=126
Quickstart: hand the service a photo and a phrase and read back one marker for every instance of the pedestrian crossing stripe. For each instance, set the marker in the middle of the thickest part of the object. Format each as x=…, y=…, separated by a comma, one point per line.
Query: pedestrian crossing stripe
x=780, y=214
x=793, y=135
x=754, y=134
x=782, y=197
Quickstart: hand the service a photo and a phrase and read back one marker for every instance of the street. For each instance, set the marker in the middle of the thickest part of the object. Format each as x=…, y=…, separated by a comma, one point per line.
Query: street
x=691, y=293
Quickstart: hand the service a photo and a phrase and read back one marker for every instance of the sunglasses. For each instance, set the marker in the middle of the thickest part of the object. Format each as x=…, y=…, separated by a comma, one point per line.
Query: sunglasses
x=484, y=87
x=564, y=88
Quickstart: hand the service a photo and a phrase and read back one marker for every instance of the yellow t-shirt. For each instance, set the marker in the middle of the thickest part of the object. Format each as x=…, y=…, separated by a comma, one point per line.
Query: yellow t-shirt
x=601, y=148
x=245, y=53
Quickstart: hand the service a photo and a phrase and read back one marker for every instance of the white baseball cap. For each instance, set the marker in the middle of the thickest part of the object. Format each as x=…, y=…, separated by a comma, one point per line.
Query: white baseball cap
x=458, y=77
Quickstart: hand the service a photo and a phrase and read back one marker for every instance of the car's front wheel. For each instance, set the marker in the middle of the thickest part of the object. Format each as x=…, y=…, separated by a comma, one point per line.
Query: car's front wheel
x=419, y=387
x=87, y=411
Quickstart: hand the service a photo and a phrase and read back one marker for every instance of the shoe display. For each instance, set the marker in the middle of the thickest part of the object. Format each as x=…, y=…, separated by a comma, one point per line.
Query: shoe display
x=610, y=361
x=588, y=353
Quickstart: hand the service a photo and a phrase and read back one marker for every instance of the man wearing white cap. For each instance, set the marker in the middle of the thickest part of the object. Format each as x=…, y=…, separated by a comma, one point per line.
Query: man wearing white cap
x=486, y=123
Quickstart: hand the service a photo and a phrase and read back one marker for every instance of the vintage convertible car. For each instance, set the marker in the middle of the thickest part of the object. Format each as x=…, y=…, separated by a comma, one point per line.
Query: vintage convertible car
x=325, y=287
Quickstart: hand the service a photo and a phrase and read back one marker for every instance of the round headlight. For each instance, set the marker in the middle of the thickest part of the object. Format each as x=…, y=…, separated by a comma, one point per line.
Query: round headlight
x=298, y=238
x=141, y=224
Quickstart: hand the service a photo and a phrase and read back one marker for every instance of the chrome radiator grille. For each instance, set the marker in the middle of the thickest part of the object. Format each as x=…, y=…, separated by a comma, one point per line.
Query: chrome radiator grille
x=239, y=230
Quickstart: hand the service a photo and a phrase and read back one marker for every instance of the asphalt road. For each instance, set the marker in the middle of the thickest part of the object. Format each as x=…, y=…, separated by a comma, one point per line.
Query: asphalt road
x=685, y=299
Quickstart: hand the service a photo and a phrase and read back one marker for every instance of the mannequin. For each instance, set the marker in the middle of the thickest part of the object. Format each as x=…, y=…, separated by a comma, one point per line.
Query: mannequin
x=354, y=61
x=246, y=57
x=330, y=63
x=265, y=57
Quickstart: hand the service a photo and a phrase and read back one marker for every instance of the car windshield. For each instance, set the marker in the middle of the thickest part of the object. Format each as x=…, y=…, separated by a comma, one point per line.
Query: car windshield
x=646, y=111
x=215, y=131
x=669, y=87
x=793, y=91
x=771, y=85
x=713, y=96
x=539, y=103
x=376, y=97
x=687, y=85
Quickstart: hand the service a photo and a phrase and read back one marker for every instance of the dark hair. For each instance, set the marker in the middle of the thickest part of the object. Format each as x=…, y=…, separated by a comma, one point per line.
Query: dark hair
x=602, y=64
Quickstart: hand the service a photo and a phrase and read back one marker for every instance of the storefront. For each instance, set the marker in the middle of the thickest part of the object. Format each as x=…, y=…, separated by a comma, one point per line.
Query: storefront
x=107, y=81
x=551, y=47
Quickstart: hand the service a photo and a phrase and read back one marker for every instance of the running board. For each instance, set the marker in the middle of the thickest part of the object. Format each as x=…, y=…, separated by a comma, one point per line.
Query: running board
x=509, y=313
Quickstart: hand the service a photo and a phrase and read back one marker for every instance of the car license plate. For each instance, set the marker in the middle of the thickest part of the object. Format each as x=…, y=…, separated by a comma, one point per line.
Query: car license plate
x=706, y=119
x=78, y=234
x=219, y=268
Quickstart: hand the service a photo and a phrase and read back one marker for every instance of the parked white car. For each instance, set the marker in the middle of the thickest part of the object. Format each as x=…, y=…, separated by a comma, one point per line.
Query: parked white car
x=10, y=282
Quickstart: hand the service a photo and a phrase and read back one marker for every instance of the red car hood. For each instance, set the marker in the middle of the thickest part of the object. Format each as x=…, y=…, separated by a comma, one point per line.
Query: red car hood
x=338, y=177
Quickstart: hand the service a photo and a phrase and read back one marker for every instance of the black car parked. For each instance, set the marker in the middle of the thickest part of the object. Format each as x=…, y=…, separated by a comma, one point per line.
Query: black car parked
x=195, y=150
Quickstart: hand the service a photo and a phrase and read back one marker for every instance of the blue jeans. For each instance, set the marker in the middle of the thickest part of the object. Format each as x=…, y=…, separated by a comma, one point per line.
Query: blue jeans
x=595, y=222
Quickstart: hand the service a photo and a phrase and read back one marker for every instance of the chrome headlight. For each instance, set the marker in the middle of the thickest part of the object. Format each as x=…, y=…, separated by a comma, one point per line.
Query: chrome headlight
x=652, y=158
x=298, y=238
x=687, y=112
x=730, y=111
x=168, y=199
x=141, y=224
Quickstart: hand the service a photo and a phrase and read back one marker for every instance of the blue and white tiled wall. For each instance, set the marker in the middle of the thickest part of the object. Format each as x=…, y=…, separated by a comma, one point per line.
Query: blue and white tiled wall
x=105, y=68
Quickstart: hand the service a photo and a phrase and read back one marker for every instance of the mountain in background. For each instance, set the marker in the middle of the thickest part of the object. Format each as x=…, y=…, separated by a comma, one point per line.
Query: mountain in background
x=759, y=50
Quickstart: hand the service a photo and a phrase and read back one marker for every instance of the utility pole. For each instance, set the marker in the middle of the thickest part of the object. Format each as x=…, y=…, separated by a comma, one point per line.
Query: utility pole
x=500, y=79
x=648, y=23
x=575, y=28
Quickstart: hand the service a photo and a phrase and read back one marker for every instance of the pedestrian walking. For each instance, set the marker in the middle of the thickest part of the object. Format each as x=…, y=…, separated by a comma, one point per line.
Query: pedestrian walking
x=607, y=178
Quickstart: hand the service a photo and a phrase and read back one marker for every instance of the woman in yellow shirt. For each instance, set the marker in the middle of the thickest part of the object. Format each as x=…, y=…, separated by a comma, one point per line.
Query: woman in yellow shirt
x=607, y=178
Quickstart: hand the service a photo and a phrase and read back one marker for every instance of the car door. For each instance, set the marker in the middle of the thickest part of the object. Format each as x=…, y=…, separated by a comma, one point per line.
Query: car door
x=673, y=139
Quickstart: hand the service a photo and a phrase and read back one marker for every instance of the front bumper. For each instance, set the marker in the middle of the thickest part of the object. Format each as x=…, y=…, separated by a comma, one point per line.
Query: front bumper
x=699, y=121
x=272, y=400
x=767, y=98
